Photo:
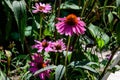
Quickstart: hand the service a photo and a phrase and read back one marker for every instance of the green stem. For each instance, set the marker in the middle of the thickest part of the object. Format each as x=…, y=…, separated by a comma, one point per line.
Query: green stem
x=56, y=58
x=104, y=11
x=40, y=33
x=54, y=6
x=114, y=7
x=57, y=15
x=8, y=65
x=68, y=44
x=84, y=7
x=108, y=63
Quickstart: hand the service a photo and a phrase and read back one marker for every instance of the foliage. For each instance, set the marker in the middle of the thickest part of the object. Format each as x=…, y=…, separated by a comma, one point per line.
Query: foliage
x=20, y=27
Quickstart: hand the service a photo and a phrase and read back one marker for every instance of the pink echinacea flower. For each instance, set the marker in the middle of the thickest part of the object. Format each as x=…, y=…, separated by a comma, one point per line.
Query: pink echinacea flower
x=39, y=7
x=38, y=63
x=70, y=25
x=59, y=46
x=44, y=45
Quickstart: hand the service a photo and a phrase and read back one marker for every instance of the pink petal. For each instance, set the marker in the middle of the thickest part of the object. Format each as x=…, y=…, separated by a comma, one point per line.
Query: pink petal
x=37, y=5
x=74, y=29
x=82, y=29
x=37, y=41
x=78, y=30
x=81, y=23
x=35, y=11
x=68, y=30
x=61, y=19
x=40, y=50
x=42, y=76
x=32, y=64
x=33, y=70
x=59, y=25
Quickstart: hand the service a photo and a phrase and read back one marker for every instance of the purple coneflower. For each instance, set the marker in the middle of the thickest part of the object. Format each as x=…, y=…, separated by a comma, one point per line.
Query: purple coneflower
x=44, y=45
x=108, y=56
x=59, y=46
x=38, y=63
x=70, y=25
x=39, y=7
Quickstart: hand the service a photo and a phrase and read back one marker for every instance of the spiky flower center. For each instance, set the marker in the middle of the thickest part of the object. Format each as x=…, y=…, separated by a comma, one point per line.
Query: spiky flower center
x=41, y=7
x=71, y=19
x=58, y=47
x=45, y=44
x=41, y=65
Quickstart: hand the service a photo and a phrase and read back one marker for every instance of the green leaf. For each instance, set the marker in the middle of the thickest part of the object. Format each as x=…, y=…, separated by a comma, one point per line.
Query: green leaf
x=9, y=4
x=69, y=5
x=19, y=8
x=87, y=68
x=83, y=65
x=98, y=33
x=117, y=3
x=110, y=17
x=118, y=32
x=92, y=63
x=26, y=76
x=60, y=69
x=44, y=69
x=3, y=76
x=47, y=32
x=91, y=57
x=69, y=55
x=28, y=31
x=100, y=43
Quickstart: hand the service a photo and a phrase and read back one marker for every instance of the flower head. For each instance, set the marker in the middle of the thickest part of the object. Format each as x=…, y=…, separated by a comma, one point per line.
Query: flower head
x=59, y=46
x=70, y=25
x=38, y=63
x=39, y=7
x=44, y=45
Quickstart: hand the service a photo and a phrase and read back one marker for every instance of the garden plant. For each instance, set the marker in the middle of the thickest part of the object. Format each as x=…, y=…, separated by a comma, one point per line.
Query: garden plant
x=59, y=39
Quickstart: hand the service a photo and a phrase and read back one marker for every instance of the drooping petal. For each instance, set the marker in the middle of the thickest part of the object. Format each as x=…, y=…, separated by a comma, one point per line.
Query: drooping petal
x=32, y=64
x=74, y=29
x=68, y=30
x=37, y=5
x=33, y=70
x=35, y=11
x=70, y=25
x=42, y=76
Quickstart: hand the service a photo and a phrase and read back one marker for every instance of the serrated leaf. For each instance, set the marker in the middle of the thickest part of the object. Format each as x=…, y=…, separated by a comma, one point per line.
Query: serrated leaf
x=60, y=69
x=44, y=69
